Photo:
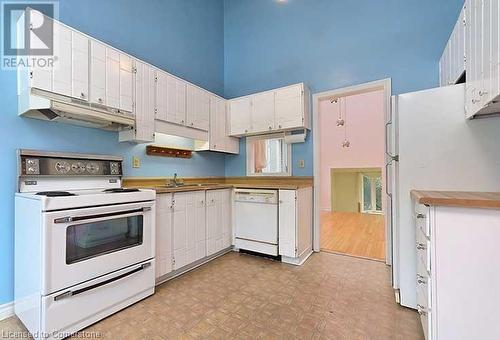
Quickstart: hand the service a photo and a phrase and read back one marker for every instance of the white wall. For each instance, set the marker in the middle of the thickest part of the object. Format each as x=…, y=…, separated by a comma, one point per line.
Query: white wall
x=439, y=150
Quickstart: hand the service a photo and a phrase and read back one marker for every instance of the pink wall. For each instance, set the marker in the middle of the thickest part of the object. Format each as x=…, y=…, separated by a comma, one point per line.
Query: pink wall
x=365, y=131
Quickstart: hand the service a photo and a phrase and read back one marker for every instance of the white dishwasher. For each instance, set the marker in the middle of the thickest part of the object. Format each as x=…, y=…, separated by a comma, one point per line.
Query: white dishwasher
x=256, y=220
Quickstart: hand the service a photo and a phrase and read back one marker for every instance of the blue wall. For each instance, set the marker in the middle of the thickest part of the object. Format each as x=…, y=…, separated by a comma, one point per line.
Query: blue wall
x=330, y=44
x=183, y=37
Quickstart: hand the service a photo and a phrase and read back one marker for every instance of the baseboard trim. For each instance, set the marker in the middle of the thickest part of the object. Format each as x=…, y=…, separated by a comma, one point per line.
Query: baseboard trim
x=6, y=310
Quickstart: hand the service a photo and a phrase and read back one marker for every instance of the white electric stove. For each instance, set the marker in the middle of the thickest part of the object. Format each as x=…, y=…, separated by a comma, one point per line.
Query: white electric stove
x=84, y=246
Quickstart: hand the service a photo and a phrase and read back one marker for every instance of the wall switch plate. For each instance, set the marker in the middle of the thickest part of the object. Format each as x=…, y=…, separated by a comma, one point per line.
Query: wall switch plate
x=302, y=163
x=136, y=162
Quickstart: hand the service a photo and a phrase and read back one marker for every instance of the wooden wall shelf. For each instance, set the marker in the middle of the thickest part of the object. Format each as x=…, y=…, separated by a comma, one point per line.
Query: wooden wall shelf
x=153, y=150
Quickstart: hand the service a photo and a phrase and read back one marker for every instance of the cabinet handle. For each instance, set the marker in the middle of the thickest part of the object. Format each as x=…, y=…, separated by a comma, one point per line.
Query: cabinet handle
x=475, y=101
x=82, y=95
x=420, y=216
x=421, y=310
x=421, y=246
x=246, y=130
x=99, y=100
x=482, y=93
x=420, y=279
x=192, y=124
x=215, y=145
x=182, y=121
x=279, y=126
x=270, y=128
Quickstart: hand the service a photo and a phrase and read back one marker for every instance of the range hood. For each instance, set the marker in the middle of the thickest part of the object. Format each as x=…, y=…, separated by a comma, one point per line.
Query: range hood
x=39, y=104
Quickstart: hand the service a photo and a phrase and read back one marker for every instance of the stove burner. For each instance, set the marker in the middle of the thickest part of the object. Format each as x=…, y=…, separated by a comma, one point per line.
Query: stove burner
x=55, y=193
x=117, y=190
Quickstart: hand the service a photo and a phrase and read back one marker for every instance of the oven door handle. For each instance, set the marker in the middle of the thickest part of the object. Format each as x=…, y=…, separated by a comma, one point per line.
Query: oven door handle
x=69, y=219
x=71, y=293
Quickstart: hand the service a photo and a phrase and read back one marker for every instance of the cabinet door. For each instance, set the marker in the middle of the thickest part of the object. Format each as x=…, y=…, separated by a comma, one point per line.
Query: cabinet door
x=495, y=49
x=161, y=95
x=289, y=107
x=179, y=228
x=62, y=70
x=80, y=65
x=176, y=100
x=214, y=226
x=200, y=225
x=198, y=108
x=484, y=84
x=97, y=73
x=287, y=223
x=240, y=111
x=163, y=234
x=217, y=121
x=190, y=227
x=227, y=218
x=263, y=112
x=40, y=77
x=126, y=83
x=144, y=102
x=112, y=78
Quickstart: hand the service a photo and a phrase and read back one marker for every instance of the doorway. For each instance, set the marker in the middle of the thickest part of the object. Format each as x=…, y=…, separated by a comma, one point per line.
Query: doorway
x=352, y=211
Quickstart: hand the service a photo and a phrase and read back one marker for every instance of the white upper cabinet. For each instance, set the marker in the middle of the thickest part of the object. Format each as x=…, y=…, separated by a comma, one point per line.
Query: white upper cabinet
x=80, y=65
x=97, y=73
x=263, y=112
x=126, y=83
x=161, y=95
x=290, y=107
x=482, y=36
x=283, y=109
x=62, y=70
x=176, y=100
x=452, y=63
x=112, y=78
x=144, y=108
x=198, y=108
x=240, y=113
x=219, y=139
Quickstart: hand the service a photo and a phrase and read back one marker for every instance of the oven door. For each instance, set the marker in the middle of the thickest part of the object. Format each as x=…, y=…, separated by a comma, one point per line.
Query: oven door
x=83, y=244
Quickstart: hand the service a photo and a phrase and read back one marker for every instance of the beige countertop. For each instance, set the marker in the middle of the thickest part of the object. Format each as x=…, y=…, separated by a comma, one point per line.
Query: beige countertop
x=467, y=199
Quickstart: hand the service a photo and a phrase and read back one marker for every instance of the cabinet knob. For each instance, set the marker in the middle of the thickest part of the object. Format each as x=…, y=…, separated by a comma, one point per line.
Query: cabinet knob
x=420, y=279
x=475, y=101
x=82, y=95
x=482, y=93
x=421, y=246
x=215, y=145
x=420, y=216
x=421, y=310
x=192, y=123
x=279, y=126
x=246, y=130
x=99, y=100
x=270, y=128
x=182, y=121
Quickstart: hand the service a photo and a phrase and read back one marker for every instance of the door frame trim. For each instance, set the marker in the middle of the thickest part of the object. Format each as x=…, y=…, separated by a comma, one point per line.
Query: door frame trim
x=382, y=84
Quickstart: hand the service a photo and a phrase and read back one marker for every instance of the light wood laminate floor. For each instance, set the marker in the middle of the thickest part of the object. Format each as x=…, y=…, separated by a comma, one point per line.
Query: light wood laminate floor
x=354, y=234
x=240, y=296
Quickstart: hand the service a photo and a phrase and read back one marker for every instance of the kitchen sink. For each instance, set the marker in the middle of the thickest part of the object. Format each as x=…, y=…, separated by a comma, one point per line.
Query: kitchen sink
x=187, y=186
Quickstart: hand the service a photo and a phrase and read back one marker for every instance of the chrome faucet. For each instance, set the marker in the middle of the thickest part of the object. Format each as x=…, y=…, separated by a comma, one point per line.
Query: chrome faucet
x=175, y=179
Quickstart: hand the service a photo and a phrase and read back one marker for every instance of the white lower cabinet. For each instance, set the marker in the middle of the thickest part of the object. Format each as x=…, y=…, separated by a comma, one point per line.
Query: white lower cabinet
x=164, y=206
x=219, y=217
x=457, y=276
x=191, y=226
x=295, y=225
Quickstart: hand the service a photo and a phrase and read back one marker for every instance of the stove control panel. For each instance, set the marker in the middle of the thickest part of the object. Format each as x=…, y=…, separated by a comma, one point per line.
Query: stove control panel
x=33, y=165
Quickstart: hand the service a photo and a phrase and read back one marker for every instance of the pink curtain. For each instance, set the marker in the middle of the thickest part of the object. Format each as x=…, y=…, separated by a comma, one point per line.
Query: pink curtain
x=259, y=152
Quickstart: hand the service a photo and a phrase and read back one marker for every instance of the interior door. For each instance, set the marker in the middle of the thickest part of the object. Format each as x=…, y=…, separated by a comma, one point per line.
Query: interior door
x=80, y=65
x=263, y=112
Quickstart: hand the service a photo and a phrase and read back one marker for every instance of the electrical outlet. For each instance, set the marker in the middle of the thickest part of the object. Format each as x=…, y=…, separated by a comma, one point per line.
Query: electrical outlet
x=302, y=163
x=136, y=162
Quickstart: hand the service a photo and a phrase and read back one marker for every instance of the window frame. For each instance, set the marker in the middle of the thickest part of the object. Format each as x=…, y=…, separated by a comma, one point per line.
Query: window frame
x=250, y=160
x=373, y=194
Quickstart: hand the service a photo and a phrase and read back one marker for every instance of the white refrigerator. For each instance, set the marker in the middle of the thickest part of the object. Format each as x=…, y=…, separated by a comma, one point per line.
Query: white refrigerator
x=436, y=149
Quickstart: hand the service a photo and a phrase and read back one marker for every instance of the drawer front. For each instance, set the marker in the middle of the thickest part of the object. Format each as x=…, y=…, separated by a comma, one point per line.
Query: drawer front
x=423, y=246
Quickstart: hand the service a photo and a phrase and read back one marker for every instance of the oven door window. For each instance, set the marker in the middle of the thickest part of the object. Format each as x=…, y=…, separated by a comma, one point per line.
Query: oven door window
x=84, y=241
